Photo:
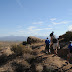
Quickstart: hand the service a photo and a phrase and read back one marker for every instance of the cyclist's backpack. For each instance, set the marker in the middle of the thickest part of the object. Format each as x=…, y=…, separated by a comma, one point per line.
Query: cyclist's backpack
x=47, y=42
x=54, y=40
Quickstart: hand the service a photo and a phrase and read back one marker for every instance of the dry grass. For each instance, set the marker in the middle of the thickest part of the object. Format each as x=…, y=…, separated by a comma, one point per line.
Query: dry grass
x=39, y=68
x=21, y=49
x=40, y=43
x=16, y=65
x=22, y=61
x=6, y=68
x=28, y=56
x=5, y=47
x=4, y=44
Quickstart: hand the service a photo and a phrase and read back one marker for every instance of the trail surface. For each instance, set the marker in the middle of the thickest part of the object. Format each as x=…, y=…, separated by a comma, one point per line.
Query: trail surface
x=51, y=62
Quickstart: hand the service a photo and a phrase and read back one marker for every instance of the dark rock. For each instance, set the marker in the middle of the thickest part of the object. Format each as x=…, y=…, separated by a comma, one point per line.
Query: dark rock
x=32, y=39
x=24, y=43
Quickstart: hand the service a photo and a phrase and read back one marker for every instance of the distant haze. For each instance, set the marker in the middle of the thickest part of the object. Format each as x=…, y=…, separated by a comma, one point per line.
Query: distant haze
x=13, y=38
x=18, y=38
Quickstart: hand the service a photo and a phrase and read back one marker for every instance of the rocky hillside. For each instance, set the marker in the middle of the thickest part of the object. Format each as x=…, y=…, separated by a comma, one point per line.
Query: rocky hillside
x=32, y=58
x=67, y=36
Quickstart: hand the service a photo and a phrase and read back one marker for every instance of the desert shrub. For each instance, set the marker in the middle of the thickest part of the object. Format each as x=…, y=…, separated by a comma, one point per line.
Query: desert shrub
x=24, y=43
x=21, y=66
x=67, y=36
x=20, y=49
x=3, y=59
x=39, y=68
x=28, y=57
x=48, y=69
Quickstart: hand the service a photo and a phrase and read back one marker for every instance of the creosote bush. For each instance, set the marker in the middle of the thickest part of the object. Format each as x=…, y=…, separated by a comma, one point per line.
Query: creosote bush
x=20, y=49
x=67, y=36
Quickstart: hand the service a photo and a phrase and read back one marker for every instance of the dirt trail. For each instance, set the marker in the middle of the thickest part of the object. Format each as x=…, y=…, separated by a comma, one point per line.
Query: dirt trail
x=52, y=62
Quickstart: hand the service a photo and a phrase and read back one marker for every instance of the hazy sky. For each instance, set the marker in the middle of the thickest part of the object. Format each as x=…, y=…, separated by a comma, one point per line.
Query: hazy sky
x=35, y=17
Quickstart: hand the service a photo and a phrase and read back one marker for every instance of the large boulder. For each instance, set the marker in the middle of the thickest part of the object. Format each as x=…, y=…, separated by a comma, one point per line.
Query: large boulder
x=32, y=39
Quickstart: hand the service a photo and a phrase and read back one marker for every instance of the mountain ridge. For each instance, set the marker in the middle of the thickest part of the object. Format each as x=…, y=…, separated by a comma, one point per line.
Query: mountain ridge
x=18, y=38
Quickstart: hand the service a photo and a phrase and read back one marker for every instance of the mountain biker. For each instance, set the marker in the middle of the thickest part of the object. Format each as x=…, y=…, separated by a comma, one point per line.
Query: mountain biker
x=55, y=45
x=69, y=51
x=51, y=35
x=47, y=42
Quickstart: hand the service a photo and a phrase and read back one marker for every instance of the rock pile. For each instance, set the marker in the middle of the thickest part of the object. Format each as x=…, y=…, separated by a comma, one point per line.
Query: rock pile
x=32, y=39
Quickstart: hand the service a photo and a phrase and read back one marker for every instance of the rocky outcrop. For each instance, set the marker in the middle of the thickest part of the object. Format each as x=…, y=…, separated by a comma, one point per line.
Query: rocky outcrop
x=32, y=39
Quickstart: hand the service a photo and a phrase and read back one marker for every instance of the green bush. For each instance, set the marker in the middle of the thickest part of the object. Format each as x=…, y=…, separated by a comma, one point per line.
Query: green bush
x=20, y=49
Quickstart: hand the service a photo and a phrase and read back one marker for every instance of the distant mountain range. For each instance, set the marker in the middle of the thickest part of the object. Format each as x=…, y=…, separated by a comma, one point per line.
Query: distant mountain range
x=18, y=38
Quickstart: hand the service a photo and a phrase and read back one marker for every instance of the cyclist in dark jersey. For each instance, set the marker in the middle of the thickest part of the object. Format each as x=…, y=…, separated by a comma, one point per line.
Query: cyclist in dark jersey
x=70, y=51
x=47, y=42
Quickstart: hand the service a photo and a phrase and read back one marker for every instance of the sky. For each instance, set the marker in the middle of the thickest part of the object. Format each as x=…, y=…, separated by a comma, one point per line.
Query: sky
x=35, y=17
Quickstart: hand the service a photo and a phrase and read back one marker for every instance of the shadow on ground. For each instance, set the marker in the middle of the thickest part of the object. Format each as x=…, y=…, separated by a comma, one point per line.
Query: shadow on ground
x=4, y=59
